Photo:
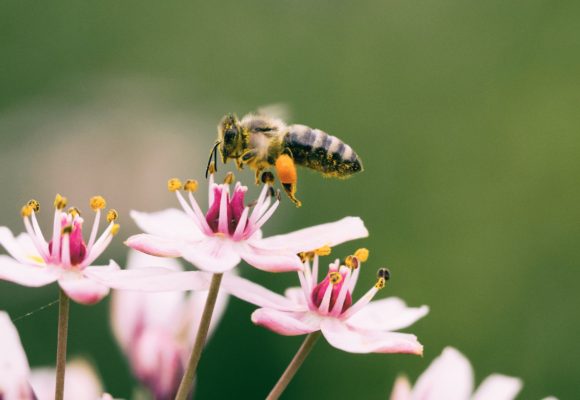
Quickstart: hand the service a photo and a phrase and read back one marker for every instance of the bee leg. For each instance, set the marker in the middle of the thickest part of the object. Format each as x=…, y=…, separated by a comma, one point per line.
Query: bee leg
x=239, y=164
x=259, y=175
x=286, y=170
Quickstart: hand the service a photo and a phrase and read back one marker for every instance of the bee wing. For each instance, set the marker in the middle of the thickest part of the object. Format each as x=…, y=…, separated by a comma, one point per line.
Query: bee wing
x=277, y=110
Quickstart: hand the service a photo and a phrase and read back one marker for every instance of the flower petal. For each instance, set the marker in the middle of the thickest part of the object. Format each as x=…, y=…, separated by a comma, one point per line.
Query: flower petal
x=14, y=368
x=155, y=245
x=449, y=376
x=343, y=337
x=297, y=296
x=285, y=323
x=258, y=295
x=331, y=234
x=25, y=274
x=21, y=248
x=82, y=289
x=81, y=382
x=389, y=314
x=271, y=261
x=401, y=389
x=498, y=387
x=171, y=224
x=214, y=254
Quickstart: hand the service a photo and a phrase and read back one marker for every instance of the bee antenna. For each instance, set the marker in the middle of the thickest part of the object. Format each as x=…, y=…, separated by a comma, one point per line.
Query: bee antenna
x=214, y=155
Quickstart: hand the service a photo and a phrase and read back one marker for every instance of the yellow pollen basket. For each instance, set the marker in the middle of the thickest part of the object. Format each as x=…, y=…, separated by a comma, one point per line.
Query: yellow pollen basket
x=335, y=278
x=112, y=215
x=97, y=203
x=26, y=211
x=60, y=202
x=115, y=229
x=34, y=204
x=190, y=185
x=174, y=184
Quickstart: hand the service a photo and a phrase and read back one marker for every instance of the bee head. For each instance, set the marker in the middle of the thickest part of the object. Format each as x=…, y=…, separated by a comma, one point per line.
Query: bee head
x=229, y=135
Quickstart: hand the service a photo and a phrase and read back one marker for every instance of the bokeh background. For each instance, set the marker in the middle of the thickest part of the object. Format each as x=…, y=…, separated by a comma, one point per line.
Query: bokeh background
x=466, y=117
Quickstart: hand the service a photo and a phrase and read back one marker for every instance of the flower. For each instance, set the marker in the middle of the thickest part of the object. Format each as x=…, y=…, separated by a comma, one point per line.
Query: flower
x=18, y=382
x=66, y=258
x=218, y=240
x=156, y=330
x=362, y=327
x=450, y=377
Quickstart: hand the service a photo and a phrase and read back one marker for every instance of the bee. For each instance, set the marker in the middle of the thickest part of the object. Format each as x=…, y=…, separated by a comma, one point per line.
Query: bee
x=260, y=141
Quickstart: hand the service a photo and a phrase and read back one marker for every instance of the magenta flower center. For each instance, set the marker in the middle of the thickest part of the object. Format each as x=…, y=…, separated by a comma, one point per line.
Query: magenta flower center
x=335, y=279
x=234, y=209
x=78, y=247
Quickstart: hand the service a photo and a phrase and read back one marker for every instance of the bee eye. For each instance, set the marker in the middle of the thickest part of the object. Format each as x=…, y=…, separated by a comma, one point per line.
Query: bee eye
x=229, y=135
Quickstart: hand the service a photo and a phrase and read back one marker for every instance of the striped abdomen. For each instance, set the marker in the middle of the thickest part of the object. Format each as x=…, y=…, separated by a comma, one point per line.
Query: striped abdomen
x=322, y=152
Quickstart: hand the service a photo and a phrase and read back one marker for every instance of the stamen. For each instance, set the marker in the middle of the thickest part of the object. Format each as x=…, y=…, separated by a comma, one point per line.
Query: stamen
x=230, y=178
x=323, y=251
x=67, y=230
x=383, y=275
x=74, y=212
x=112, y=215
x=335, y=278
x=34, y=204
x=362, y=254
x=211, y=169
x=60, y=202
x=190, y=185
x=342, y=294
x=174, y=184
x=115, y=229
x=268, y=178
x=97, y=203
x=26, y=211
x=352, y=262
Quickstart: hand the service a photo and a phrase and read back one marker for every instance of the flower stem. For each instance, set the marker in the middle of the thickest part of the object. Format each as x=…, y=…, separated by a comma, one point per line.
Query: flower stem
x=294, y=365
x=187, y=380
x=63, y=307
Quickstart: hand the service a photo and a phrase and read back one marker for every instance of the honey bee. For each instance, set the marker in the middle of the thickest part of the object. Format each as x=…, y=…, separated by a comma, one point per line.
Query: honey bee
x=261, y=141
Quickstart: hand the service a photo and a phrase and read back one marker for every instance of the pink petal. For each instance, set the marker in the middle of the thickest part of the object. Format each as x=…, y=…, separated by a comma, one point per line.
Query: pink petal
x=270, y=261
x=285, y=323
x=258, y=295
x=296, y=295
x=401, y=389
x=81, y=382
x=389, y=314
x=214, y=254
x=171, y=224
x=155, y=245
x=14, y=368
x=330, y=234
x=448, y=377
x=25, y=274
x=21, y=248
x=81, y=289
x=498, y=387
x=343, y=337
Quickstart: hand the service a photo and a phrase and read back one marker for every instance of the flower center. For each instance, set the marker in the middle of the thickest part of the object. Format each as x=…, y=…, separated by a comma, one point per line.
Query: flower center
x=72, y=229
x=336, y=279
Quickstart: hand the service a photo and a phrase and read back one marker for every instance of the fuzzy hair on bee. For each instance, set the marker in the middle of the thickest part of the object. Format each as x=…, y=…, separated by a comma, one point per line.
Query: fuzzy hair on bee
x=260, y=142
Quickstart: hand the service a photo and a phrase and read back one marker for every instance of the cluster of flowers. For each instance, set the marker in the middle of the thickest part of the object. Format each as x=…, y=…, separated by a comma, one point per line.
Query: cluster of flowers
x=163, y=333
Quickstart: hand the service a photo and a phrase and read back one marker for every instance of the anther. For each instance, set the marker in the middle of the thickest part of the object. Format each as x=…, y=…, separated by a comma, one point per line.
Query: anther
x=268, y=178
x=230, y=178
x=352, y=262
x=115, y=229
x=306, y=255
x=26, y=211
x=35, y=205
x=60, y=202
x=383, y=275
x=97, y=203
x=335, y=277
x=67, y=230
x=174, y=184
x=74, y=212
x=112, y=215
x=323, y=251
x=362, y=254
x=211, y=169
x=190, y=185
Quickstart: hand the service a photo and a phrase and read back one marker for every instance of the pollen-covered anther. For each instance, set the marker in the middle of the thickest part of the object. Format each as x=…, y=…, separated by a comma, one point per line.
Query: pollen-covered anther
x=112, y=215
x=268, y=178
x=97, y=203
x=323, y=251
x=174, y=184
x=230, y=178
x=383, y=275
x=352, y=262
x=75, y=212
x=60, y=202
x=67, y=230
x=362, y=254
x=26, y=210
x=211, y=169
x=115, y=229
x=35, y=205
x=190, y=185
x=335, y=277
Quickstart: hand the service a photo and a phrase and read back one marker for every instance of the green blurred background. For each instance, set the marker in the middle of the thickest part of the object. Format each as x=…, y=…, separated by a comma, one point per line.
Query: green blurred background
x=465, y=114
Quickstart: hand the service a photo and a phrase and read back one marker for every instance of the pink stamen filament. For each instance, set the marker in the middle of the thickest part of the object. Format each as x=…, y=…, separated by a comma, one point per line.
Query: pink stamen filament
x=56, y=235
x=65, y=253
x=363, y=301
x=324, y=305
x=40, y=246
x=200, y=217
x=339, y=304
x=94, y=230
x=223, y=213
x=241, y=227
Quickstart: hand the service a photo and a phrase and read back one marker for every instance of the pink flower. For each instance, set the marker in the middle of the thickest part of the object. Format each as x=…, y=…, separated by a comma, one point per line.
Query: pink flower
x=362, y=327
x=66, y=258
x=156, y=330
x=230, y=231
x=18, y=382
x=450, y=377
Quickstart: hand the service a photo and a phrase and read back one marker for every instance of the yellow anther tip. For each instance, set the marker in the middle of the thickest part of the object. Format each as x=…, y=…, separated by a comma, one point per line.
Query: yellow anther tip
x=35, y=205
x=335, y=277
x=190, y=185
x=115, y=229
x=323, y=251
x=74, y=211
x=174, y=184
x=230, y=178
x=60, y=202
x=26, y=210
x=98, y=203
x=112, y=215
x=362, y=254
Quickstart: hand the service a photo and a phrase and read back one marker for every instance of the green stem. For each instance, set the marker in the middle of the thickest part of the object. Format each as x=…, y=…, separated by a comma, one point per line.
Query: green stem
x=294, y=365
x=187, y=380
x=63, y=307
